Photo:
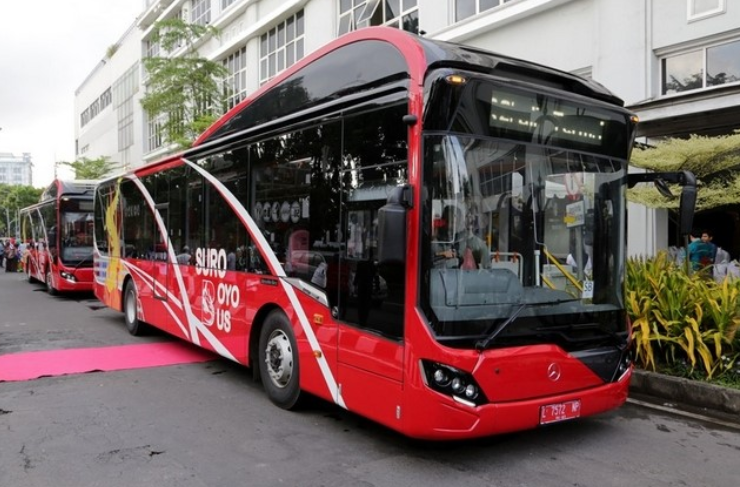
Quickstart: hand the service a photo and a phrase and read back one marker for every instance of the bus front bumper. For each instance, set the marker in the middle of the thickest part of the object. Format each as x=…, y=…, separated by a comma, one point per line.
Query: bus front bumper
x=443, y=419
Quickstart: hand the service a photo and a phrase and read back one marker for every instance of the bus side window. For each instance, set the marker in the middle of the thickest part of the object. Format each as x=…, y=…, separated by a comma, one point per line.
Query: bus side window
x=373, y=293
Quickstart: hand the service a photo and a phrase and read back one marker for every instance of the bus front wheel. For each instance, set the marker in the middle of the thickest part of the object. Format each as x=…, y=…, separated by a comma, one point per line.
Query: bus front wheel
x=49, y=283
x=278, y=361
x=130, y=310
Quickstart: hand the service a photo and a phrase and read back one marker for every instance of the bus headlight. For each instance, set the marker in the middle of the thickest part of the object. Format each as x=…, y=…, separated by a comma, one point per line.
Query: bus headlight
x=453, y=382
x=625, y=364
x=68, y=276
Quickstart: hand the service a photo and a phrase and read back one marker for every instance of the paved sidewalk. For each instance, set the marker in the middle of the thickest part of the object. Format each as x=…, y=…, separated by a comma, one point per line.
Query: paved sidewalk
x=721, y=403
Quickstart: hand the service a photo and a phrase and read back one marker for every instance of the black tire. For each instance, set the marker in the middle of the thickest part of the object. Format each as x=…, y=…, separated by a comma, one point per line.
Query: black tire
x=131, y=310
x=49, y=284
x=278, y=361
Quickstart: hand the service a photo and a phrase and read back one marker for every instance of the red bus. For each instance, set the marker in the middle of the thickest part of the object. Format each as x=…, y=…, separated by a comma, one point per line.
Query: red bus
x=304, y=236
x=58, y=231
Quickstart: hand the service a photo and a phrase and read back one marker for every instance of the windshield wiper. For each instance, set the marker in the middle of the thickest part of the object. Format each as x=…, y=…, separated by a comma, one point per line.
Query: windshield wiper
x=86, y=259
x=481, y=345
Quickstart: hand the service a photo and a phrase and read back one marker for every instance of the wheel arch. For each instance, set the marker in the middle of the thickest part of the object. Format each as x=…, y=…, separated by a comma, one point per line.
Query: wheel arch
x=122, y=291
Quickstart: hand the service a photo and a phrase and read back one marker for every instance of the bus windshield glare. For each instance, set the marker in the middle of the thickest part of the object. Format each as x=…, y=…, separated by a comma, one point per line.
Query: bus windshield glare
x=76, y=239
x=522, y=224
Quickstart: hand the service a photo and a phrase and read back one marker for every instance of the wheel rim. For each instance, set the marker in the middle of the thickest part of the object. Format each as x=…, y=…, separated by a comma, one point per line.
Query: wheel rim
x=279, y=358
x=130, y=307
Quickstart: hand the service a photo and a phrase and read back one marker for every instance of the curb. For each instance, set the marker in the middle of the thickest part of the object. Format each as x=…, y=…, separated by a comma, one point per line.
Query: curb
x=713, y=400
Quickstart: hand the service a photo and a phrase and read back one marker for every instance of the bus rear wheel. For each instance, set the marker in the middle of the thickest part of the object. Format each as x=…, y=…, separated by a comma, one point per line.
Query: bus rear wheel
x=49, y=283
x=278, y=361
x=131, y=310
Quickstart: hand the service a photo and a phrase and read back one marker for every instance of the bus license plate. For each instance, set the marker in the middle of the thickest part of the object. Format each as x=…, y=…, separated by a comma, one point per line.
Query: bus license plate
x=552, y=413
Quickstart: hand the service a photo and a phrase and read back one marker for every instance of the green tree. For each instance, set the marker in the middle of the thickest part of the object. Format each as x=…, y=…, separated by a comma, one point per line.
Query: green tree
x=184, y=92
x=12, y=199
x=85, y=168
x=715, y=161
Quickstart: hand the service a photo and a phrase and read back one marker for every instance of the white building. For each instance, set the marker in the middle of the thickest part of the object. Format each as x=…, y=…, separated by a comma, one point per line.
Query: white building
x=16, y=169
x=108, y=115
x=676, y=63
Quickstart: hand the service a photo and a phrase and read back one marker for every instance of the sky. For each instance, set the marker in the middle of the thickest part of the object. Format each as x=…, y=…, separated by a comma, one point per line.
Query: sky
x=47, y=49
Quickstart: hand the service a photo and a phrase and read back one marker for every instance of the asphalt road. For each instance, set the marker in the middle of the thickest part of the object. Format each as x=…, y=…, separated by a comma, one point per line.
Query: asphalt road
x=208, y=424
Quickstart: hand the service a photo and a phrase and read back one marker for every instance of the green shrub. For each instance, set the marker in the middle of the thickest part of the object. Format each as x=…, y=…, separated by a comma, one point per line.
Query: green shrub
x=681, y=319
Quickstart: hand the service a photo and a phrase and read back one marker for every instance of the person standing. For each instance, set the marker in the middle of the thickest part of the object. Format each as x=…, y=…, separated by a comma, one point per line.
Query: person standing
x=707, y=237
x=11, y=256
x=701, y=252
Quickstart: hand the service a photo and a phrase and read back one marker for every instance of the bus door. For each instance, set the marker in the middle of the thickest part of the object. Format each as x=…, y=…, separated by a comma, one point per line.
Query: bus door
x=371, y=347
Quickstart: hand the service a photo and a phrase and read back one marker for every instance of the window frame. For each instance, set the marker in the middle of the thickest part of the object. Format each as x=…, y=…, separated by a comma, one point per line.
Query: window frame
x=692, y=15
x=200, y=13
x=477, y=9
x=295, y=43
x=704, y=63
x=235, y=83
x=352, y=22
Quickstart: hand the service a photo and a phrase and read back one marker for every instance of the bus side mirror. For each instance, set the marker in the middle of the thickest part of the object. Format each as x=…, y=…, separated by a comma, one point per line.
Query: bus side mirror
x=687, y=203
x=686, y=209
x=392, y=226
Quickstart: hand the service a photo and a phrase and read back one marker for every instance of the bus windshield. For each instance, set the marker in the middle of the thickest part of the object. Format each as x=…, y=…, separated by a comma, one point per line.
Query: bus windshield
x=525, y=229
x=76, y=235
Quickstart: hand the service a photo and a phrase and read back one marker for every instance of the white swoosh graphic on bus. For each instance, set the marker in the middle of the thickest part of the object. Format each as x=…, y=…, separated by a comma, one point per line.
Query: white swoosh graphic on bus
x=194, y=324
x=278, y=271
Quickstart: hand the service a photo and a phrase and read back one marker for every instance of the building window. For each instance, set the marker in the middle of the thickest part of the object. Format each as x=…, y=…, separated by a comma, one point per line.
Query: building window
x=281, y=46
x=235, y=84
x=700, y=9
x=151, y=49
x=154, y=133
x=356, y=14
x=126, y=124
x=468, y=8
x=105, y=99
x=226, y=4
x=123, y=101
x=701, y=68
x=201, y=13
x=95, y=107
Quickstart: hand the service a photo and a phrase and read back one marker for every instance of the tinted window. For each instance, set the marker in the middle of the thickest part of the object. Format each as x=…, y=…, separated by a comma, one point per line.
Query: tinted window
x=296, y=202
x=49, y=217
x=179, y=210
x=221, y=224
x=103, y=200
x=373, y=163
x=137, y=222
x=336, y=74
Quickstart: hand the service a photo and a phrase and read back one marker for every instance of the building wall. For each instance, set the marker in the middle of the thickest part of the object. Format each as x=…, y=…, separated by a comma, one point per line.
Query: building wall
x=617, y=43
x=100, y=136
x=672, y=28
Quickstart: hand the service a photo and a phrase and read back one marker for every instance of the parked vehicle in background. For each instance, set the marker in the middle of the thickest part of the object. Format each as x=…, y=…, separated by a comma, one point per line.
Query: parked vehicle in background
x=328, y=187
x=58, y=231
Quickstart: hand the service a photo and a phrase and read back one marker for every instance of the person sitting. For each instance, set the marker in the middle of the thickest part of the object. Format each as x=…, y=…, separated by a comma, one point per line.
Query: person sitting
x=183, y=258
x=455, y=244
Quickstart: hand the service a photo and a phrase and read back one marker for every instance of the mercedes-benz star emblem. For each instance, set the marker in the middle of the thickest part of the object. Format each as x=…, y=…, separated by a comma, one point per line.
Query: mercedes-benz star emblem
x=553, y=372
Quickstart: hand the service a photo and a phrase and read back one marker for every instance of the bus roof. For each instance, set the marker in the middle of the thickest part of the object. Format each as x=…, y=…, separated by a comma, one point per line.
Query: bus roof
x=370, y=57
x=364, y=61
x=77, y=187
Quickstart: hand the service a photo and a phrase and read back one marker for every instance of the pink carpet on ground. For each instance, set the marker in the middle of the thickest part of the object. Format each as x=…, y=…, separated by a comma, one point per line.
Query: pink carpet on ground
x=50, y=363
